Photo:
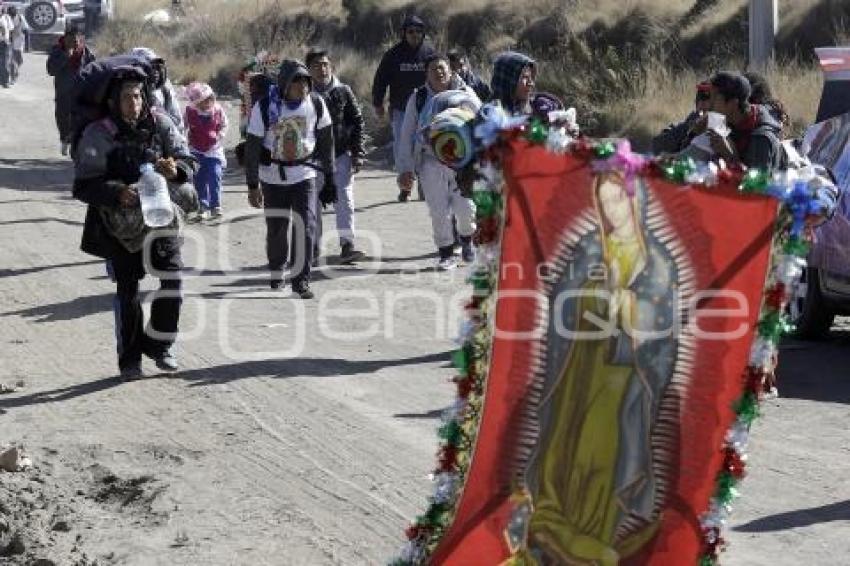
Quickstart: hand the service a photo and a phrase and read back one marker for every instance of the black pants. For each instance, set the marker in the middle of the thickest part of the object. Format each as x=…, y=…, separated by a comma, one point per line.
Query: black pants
x=127, y=269
x=284, y=205
x=5, y=63
x=64, y=120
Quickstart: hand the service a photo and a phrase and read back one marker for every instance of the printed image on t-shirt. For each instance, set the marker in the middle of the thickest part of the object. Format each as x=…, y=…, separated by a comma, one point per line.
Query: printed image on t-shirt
x=288, y=139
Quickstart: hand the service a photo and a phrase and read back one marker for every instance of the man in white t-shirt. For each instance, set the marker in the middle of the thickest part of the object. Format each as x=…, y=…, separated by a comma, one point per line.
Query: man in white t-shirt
x=6, y=27
x=289, y=136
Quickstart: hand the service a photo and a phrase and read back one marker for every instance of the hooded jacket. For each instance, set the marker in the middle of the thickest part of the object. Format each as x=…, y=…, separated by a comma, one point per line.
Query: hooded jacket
x=255, y=151
x=764, y=148
x=402, y=69
x=348, y=129
x=507, y=69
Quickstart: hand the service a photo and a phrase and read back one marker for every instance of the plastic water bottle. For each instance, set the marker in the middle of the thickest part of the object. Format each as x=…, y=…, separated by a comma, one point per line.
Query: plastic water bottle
x=153, y=193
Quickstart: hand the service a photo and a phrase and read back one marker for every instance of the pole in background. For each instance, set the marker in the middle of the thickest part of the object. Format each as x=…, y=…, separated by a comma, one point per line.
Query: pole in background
x=764, y=23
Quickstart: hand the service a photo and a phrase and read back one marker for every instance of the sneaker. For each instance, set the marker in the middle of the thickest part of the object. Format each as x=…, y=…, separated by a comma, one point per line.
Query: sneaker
x=193, y=217
x=303, y=290
x=130, y=373
x=216, y=212
x=349, y=254
x=447, y=259
x=205, y=215
x=276, y=284
x=447, y=263
x=403, y=196
x=164, y=360
x=64, y=148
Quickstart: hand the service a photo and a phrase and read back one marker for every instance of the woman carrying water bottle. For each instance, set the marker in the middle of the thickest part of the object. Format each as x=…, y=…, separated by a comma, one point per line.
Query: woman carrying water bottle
x=111, y=156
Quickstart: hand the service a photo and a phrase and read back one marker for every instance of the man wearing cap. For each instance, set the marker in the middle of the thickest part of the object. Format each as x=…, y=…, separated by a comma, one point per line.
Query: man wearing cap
x=676, y=137
x=402, y=69
x=756, y=136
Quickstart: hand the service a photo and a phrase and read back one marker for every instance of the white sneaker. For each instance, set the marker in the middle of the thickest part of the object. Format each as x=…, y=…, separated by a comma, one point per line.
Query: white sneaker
x=216, y=212
x=447, y=263
x=205, y=215
x=64, y=148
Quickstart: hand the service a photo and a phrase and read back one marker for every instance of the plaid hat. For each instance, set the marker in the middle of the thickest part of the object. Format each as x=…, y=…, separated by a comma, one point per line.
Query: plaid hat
x=507, y=69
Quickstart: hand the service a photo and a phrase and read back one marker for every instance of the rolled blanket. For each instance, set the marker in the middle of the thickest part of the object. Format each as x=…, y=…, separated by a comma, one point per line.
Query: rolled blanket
x=450, y=137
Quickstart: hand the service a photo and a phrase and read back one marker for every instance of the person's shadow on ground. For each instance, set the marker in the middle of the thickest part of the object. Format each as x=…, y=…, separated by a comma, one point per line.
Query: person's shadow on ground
x=226, y=373
x=37, y=175
x=815, y=371
x=800, y=518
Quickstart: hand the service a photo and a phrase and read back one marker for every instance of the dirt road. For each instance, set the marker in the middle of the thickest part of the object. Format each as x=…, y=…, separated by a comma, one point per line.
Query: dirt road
x=297, y=432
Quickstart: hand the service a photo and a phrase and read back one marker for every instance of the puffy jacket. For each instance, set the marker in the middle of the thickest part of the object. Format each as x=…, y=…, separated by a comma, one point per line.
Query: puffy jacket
x=349, y=130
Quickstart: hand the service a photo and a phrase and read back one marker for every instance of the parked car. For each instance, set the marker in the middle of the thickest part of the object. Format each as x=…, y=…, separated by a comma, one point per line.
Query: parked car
x=824, y=289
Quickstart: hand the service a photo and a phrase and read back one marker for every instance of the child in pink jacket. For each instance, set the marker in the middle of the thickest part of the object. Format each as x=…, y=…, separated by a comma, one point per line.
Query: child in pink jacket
x=206, y=125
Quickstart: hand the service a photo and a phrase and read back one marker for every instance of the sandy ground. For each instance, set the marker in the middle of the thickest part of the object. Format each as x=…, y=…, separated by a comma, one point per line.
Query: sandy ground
x=297, y=432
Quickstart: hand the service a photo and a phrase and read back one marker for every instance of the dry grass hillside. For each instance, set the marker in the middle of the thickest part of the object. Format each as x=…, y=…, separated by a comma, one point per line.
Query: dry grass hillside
x=628, y=66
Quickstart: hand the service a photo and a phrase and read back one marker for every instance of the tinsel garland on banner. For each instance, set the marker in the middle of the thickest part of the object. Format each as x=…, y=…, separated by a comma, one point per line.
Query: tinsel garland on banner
x=805, y=199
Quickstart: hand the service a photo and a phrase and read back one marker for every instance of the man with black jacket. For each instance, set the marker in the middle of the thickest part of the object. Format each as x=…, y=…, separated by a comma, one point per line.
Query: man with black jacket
x=402, y=69
x=66, y=58
x=108, y=158
x=289, y=136
x=349, y=142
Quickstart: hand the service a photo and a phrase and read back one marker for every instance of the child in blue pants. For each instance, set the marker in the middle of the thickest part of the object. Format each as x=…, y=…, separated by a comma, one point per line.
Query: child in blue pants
x=206, y=124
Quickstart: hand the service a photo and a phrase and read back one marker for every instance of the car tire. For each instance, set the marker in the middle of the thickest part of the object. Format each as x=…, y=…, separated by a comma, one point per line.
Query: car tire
x=807, y=308
x=41, y=15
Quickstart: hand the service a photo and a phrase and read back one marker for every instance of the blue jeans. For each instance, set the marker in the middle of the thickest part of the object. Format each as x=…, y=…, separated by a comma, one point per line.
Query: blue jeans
x=208, y=181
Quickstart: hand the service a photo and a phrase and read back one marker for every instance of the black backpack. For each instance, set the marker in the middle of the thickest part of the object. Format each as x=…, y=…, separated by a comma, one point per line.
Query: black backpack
x=92, y=84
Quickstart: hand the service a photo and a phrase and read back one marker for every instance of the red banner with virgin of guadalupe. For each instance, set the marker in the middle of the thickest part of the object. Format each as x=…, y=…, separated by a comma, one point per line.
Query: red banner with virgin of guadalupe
x=624, y=313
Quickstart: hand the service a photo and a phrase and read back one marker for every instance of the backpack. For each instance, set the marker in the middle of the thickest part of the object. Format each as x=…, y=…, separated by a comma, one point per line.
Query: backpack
x=91, y=88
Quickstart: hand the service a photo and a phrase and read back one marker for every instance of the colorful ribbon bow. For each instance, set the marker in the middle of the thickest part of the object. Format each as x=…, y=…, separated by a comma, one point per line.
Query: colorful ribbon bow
x=623, y=160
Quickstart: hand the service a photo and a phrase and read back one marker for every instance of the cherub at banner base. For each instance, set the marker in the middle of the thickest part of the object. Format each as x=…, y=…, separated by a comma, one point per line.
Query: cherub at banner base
x=623, y=324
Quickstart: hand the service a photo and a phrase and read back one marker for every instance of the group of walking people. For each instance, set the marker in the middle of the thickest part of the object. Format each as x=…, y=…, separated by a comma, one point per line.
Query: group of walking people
x=304, y=142
x=13, y=43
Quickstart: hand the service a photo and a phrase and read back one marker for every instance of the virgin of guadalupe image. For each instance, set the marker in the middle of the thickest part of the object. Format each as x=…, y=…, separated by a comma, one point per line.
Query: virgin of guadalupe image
x=598, y=474
x=288, y=136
